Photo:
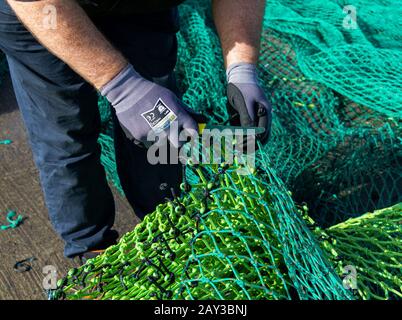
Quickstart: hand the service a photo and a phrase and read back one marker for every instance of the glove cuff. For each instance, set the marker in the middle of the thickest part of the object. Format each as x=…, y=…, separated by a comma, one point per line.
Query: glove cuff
x=121, y=87
x=242, y=72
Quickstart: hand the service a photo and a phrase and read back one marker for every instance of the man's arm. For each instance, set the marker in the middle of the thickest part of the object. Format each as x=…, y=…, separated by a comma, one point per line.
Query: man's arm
x=75, y=40
x=239, y=24
x=78, y=42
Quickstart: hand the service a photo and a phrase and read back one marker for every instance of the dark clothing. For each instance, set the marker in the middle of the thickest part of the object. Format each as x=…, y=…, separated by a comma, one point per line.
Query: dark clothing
x=164, y=20
x=62, y=119
x=127, y=7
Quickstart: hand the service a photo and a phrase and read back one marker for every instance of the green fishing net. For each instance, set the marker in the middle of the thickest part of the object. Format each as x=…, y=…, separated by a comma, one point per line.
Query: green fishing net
x=370, y=247
x=230, y=236
x=108, y=157
x=340, y=151
x=337, y=96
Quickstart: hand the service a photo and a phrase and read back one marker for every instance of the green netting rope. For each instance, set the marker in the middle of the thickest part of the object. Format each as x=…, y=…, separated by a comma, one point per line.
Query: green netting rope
x=224, y=239
x=13, y=220
x=371, y=244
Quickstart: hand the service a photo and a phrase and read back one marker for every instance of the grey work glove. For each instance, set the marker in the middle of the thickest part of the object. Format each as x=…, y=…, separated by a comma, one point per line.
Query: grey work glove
x=247, y=104
x=142, y=106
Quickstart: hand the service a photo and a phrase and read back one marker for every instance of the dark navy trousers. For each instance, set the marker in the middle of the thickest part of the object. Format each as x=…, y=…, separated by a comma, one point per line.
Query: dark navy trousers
x=62, y=120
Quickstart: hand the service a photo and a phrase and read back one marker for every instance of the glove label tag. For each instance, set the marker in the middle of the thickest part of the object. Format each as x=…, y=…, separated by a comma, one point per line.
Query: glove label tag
x=159, y=117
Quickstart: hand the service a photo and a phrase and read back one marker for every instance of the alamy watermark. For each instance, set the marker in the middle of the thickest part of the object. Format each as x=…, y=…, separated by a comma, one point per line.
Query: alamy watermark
x=350, y=20
x=349, y=277
x=212, y=146
x=49, y=21
x=50, y=280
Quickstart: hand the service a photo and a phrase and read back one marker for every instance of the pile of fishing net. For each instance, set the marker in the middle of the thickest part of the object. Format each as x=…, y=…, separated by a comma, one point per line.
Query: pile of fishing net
x=368, y=248
x=240, y=236
x=230, y=236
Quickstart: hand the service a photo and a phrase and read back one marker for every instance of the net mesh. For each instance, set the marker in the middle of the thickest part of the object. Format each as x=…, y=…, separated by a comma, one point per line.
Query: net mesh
x=335, y=86
x=344, y=150
x=370, y=247
x=231, y=236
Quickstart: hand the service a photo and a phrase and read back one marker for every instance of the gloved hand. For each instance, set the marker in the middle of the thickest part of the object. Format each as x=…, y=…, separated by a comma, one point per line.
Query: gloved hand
x=142, y=106
x=247, y=104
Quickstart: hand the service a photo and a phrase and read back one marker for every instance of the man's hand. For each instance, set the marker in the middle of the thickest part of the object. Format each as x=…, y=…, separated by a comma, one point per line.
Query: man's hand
x=247, y=103
x=239, y=24
x=143, y=106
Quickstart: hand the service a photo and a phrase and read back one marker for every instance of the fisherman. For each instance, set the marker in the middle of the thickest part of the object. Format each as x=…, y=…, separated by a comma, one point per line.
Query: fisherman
x=62, y=53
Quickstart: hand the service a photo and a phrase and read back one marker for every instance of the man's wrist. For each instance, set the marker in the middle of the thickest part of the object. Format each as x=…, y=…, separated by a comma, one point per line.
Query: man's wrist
x=110, y=72
x=242, y=72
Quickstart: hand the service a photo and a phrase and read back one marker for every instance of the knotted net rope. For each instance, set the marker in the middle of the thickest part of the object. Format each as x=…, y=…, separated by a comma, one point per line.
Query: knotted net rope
x=230, y=236
x=369, y=247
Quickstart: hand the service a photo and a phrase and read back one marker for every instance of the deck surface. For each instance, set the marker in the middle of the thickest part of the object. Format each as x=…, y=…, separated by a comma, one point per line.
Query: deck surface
x=20, y=191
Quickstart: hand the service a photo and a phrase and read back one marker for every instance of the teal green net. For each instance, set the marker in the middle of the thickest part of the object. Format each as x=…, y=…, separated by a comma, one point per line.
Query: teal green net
x=339, y=153
x=230, y=236
x=336, y=146
x=369, y=246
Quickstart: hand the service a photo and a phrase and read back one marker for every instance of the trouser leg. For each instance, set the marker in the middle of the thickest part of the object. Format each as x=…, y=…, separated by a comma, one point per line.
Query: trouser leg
x=60, y=113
